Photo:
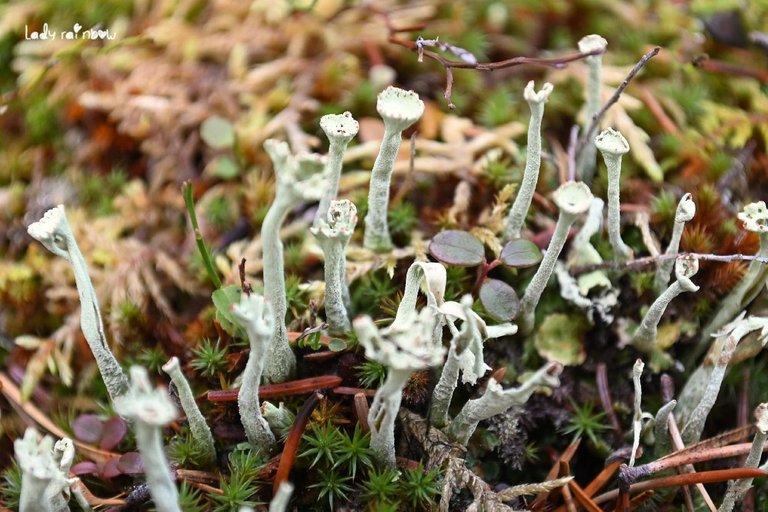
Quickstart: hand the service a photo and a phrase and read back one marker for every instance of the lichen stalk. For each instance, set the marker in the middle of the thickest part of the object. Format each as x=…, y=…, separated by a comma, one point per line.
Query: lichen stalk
x=754, y=218
x=280, y=500
x=340, y=130
x=586, y=165
x=572, y=199
x=613, y=145
x=403, y=349
x=399, y=109
x=198, y=427
x=703, y=386
x=686, y=209
x=496, y=400
x=737, y=489
x=55, y=233
x=333, y=236
x=150, y=409
x=516, y=216
x=644, y=337
x=637, y=417
x=297, y=180
x=45, y=484
x=255, y=314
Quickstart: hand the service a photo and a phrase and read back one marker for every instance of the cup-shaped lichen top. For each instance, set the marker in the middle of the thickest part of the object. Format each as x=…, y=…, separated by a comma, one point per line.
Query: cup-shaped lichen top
x=339, y=128
x=686, y=208
x=408, y=346
x=341, y=222
x=611, y=142
x=531, y=96
x=754, y=217
x=144, y=402
x=301, y=176
x=399, y=108
x=573, y=197
x=685, y=268
x=51, y=231
x=591, y=43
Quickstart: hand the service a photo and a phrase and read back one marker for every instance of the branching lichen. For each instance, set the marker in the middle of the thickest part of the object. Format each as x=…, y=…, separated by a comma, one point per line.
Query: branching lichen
x=298, y=179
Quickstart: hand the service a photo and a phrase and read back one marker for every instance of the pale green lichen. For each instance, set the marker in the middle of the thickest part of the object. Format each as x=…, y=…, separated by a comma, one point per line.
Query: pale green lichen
x=403, y=348
x=613, y=145
x=340, y=130
x=496, y=400
x=572, y=199
x=590, y=43
x=55, y=233
x=686, y=209
x=516, y=216
x=333, y=236
x=45, y=484
x=198, y=428
x=298, y=179
x=255, y=314
x=399, y=109
x=644, y=337
x=149, y=409
x=737, y=489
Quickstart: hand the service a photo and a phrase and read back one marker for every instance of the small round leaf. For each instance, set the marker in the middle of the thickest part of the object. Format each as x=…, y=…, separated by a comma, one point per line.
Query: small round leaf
x=456, y=247
x=88, y=428
x=115, y=429
x=337, y=345
x=130, y=464
x=217, y=132
x=520, y=253
x=499, y=299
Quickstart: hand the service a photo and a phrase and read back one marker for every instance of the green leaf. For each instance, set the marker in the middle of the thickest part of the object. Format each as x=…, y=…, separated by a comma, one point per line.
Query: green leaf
x=217, y=132
x=336, y=345
x=223, y=299
x=456, y=247
x=559, y=339
x=520, y=254
x=499, y=299
x=222, y=167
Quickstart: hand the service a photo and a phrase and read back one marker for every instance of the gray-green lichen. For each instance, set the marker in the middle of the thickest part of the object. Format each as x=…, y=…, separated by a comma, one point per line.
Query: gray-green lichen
x=55, y=233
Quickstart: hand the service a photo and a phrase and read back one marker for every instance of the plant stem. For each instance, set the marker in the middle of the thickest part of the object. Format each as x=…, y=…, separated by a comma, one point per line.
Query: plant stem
x=189, y=201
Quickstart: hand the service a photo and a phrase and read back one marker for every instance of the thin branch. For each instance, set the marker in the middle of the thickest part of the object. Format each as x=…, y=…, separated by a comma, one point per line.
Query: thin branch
x=641, y=263
x=589, y=133
x=555, y=62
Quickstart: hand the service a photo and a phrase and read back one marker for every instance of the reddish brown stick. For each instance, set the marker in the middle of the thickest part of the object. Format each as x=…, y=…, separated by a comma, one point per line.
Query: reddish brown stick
x=294, y=387
x=294, y=436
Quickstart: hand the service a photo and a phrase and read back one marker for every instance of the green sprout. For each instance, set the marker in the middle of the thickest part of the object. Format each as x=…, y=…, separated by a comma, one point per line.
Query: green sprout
x=419, y=486
x=371, y=374
x=355, y=451
x=333, y=486
x=210, y=359
x=324, y=445
x=585, y=422
x=381, y=487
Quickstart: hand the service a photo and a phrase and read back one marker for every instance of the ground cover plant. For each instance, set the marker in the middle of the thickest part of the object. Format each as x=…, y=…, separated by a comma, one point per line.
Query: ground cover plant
x=383, y=256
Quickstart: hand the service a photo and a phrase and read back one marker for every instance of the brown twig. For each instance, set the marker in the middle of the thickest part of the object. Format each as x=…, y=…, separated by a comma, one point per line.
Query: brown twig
x=704, y=63
x=13, y=395
x=646, y=261
x=294, y=387
x=603, y=388
x=294, y=436
x=704, y=477
x=589, y=133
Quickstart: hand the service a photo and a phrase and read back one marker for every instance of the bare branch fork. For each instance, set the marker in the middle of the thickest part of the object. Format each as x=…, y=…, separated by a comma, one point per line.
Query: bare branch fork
x=589, y=133
x=640, y=263
x=470, y=62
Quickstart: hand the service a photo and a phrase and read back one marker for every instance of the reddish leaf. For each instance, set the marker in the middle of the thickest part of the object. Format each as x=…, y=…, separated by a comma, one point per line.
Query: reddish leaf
x=110, y=469
x=457, y=247
x=115, y=429
x=85, y=468
x=499, y=299
x=520, y=253
x=88, y=428
x=130, y=463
